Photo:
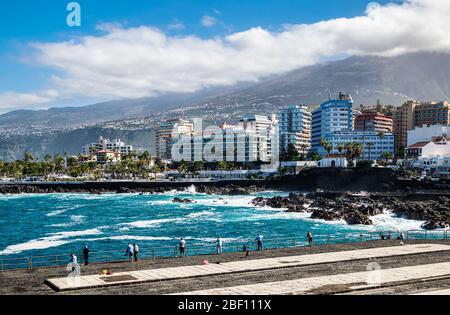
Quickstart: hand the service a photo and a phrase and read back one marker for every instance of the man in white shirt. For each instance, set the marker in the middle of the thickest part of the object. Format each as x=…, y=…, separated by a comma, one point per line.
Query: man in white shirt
x=219, y=245
x=182, y=248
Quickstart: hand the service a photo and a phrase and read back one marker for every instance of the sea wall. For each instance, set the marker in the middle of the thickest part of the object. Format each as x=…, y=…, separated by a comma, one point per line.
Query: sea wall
x=336, y=180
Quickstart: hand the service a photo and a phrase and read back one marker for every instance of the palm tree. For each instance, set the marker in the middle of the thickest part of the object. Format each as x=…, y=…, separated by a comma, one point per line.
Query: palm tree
x=363, y=139
x=386, y=156
x=340, y=148
x=326, y=145
x=222, y=166
x=2, y=167
x=183, y=167
x=59, y=161
x=196, y=167
x=370, y=145
x=357, y=149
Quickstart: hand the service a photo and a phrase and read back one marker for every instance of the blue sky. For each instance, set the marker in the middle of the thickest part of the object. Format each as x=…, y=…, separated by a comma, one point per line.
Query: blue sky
x=24, y=22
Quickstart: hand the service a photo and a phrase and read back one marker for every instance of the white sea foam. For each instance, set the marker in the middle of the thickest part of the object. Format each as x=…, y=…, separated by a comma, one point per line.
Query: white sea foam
x=214, y=239
x=201, y=214
x=130, y=238
x=74, y=220
x=229, y=201
x=62, y=209
x=32, y=245
x=390, y=221
x=56, y=212
x=52, y=240
x=150, y=223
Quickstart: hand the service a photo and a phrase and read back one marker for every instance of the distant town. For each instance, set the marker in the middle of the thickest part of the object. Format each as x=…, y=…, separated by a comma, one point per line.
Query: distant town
x=413, y=136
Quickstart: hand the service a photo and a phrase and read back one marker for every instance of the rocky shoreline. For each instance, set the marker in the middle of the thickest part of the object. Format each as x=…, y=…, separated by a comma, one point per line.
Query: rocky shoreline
x=229, y=190
x=357, y=209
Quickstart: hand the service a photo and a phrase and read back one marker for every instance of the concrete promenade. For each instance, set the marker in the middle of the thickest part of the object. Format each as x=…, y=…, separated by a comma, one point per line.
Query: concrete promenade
x=329, y=284
x=186, y=272
x=435, y=292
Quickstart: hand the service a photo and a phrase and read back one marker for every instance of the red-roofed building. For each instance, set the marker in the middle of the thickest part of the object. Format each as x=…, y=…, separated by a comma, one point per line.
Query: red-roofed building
x=437, y=147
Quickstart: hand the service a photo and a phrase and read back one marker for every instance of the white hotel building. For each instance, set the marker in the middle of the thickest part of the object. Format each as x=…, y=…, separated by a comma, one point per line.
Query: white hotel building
x=295, y=128
x=254, y=139
x=374, y=145
x=115, y=145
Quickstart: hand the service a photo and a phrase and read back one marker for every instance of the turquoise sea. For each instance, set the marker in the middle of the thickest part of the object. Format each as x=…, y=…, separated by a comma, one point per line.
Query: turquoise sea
x=58, y=224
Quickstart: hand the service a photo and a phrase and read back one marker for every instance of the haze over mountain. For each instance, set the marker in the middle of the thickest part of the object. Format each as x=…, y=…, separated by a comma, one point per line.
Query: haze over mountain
x=421, y=76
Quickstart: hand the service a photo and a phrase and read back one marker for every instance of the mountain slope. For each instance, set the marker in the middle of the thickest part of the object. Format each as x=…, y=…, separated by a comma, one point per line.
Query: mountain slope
x=422, y=76
x=391, y=80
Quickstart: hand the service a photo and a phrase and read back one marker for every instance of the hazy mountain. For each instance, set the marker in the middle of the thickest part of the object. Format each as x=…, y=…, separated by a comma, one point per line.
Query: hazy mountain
x=391, y=80
x=422, y=76
x=68, y=117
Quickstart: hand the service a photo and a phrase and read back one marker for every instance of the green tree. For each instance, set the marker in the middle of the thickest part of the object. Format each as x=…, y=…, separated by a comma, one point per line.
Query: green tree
x=196, y=167
x=183, y=167
x=370, y=145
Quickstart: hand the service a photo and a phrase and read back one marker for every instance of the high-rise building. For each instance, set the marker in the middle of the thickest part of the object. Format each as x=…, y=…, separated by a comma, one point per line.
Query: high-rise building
x=249, y=141
x=115, y=145
x=374, y=144
x=417, y=114
x=168, y=132
x=432, y=113
x=295, y=128
x=333, y=115
x=373, y=121
x=403, y=121
x=263, y=127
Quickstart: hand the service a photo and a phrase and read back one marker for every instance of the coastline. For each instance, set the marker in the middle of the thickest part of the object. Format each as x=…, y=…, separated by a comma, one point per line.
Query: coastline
x=329, y=180
x=24, y=282
x=351, y=195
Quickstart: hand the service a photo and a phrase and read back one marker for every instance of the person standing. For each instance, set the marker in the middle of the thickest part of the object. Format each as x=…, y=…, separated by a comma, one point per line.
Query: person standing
x=259, y=243
x=129, y=252
x=309, y=236
x=135, y=251
x=182, y=248
x=86, y=255
x=219, y=245
x=73, y=261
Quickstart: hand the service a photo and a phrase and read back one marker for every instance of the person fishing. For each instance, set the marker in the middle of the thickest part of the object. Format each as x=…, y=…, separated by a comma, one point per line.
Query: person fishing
x=309, y=236
x=129, y=252
x=135, y=251
x=73, y=261
x=259, y=243
x=182, y=248
x=86, y=255
x=219, y=245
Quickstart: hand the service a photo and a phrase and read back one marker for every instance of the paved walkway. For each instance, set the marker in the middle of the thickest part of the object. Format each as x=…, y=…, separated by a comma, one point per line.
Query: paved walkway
x=334, y=283
x=144, y=276
x=438, y=292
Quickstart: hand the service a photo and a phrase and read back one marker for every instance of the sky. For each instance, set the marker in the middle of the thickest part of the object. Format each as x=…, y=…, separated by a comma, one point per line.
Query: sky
x=141, y=48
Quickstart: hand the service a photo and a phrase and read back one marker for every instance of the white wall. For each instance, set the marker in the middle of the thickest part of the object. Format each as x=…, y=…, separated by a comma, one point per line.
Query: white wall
x=423, y=134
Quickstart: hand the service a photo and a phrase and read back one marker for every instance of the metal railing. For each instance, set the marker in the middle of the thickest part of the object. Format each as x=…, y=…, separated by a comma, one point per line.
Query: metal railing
x=197, y=249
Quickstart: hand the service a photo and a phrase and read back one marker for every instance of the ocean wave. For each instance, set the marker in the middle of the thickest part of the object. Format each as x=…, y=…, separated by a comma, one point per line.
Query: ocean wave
x=150, y=223
x=52, y=240
x=389, y=221
x=130, y=238
x=201, y=214
x=62, y=209
x=74, y=220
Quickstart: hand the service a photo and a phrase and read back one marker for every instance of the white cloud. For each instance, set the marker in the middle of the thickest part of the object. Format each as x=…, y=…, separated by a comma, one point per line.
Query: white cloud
x=12, y=100
x=208, y=21
x=143, y=61
x=176, y=25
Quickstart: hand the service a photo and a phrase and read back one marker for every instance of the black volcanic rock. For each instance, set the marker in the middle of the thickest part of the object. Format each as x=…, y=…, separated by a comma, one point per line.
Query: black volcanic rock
x=357, y=210
x=179, y=200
